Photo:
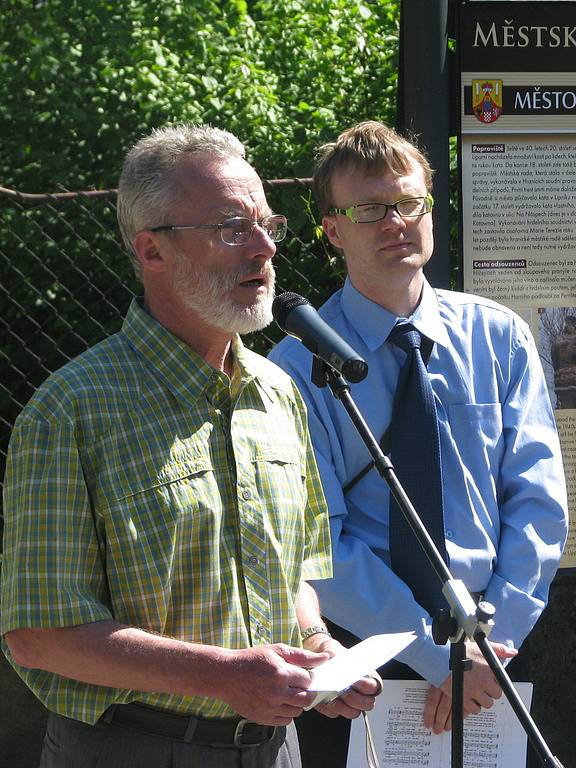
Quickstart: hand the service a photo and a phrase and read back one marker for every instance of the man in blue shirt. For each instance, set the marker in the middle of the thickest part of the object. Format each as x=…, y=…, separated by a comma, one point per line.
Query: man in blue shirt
x=505, y=511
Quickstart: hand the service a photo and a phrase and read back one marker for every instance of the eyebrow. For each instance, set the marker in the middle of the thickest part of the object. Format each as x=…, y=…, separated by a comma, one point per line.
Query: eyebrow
x=403, y=196
x=238, y=213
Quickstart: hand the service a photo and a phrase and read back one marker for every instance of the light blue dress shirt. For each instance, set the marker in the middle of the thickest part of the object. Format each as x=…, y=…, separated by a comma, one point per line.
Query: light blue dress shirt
x=505, y=508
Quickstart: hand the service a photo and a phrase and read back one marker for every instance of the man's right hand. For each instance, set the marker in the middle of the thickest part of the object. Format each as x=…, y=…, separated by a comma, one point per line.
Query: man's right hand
x=269, y=683
x=481, y=689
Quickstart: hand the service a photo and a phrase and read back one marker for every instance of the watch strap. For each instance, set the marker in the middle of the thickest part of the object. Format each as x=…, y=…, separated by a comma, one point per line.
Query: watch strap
x=317, y=629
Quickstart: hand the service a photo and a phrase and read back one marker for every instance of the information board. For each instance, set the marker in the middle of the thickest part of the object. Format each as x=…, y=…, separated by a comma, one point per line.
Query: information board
x=518, y=183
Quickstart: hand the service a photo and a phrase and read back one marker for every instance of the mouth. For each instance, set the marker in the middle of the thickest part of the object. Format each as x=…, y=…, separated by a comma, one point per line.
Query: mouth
x=254, y=282
x=398, y=244
x=259, y=284
x=257, y=280
x=401, y=245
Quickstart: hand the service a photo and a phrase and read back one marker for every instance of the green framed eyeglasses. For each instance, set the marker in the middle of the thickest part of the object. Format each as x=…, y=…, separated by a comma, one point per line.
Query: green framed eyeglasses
x=367, y=213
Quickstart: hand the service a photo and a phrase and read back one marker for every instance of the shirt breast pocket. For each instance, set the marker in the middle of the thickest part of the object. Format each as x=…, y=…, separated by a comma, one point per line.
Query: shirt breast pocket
x=150, y=509
x=161, y=528
x=477, y=427
x=280, y=480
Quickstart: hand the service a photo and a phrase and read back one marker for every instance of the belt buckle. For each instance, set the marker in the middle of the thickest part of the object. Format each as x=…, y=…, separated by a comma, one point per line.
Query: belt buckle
x=239, y=731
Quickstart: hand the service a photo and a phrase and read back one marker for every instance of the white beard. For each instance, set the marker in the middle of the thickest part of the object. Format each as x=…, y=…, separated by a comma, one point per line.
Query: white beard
x=208, y=294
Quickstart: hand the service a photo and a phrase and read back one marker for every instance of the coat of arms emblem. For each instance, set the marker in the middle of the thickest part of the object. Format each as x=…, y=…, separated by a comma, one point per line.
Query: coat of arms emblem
x=487, y=100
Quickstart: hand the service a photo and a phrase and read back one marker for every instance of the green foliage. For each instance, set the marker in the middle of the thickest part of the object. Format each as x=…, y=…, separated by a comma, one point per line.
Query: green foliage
x=81, y=81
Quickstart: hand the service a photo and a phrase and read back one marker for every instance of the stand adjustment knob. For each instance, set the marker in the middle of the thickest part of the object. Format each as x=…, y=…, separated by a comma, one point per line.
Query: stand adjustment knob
x=443, y=626
x=485, y=611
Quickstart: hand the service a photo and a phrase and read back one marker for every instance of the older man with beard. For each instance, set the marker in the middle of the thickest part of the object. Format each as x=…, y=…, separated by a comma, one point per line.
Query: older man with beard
x=163, y=508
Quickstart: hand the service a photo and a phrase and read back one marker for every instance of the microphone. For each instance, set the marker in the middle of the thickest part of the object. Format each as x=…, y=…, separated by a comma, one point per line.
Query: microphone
x=297, y=317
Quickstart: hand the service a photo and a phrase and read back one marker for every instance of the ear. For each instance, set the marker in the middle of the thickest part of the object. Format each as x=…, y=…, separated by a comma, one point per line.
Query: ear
x=330, y=226
x=148, y=251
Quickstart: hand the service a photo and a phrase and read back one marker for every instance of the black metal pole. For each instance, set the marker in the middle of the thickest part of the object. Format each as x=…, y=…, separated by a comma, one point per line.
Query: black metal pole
x=423, y=110
x=458, y=662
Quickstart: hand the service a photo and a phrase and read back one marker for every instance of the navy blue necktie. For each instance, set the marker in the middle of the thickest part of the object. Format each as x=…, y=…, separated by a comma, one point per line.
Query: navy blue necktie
x=415, y=454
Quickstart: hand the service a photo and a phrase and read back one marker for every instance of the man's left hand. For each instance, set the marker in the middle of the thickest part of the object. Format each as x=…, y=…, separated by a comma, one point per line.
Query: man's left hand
x=361, y=697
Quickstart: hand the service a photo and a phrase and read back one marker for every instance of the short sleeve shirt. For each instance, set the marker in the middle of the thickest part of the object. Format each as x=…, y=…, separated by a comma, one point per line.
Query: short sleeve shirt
x=144, y=486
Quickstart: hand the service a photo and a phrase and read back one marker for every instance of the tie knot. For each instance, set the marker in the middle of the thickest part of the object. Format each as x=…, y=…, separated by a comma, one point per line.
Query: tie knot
x=405, y=336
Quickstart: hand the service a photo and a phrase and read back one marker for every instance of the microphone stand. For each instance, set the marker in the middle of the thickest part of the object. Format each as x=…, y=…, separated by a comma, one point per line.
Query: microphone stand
x=464, y=619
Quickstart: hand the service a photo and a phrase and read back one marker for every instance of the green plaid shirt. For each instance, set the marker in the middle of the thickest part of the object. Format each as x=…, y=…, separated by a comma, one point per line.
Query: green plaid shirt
x=142, y=485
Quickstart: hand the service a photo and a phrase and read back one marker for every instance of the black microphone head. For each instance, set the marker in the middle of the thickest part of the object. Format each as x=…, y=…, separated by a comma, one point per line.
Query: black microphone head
x=297, y=317
x=284, y=304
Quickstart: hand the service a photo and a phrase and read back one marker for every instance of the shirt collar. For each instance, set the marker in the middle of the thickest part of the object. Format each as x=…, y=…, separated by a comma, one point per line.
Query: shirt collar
x=373, y=323
x=427, y=318
x=183, y=371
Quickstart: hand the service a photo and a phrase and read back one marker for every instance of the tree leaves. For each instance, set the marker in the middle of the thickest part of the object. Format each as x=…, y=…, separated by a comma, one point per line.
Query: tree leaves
x=82, y=81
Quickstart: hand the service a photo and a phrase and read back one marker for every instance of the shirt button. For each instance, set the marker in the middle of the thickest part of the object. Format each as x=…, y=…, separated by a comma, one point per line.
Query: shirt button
x=246, y=495
x=260, y=630
x=449, y=533
x=253, y=560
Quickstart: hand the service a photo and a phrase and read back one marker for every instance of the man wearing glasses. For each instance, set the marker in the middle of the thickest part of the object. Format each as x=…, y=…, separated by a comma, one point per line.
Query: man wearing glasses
x=163, y=510
x=500, y=470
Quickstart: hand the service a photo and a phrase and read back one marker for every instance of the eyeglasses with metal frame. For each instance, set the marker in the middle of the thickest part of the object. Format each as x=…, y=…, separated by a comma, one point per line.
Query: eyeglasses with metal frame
x=367, y=213
x=238, y=230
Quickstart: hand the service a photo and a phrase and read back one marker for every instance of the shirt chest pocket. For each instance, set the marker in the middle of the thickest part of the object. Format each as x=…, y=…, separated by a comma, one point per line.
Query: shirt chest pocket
x=161, y=533
x=280, y=479
x=145, y=504
x=477, y=427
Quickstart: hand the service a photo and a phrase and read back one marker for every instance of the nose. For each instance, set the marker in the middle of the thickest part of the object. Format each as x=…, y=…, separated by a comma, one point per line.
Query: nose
x=261, y=244
x=392, y=219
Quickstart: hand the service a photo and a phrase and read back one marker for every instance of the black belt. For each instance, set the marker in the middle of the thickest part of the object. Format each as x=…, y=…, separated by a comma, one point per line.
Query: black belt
x=237, y=732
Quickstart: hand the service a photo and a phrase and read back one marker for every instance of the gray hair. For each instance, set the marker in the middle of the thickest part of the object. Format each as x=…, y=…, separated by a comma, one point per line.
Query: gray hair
x=145, y=191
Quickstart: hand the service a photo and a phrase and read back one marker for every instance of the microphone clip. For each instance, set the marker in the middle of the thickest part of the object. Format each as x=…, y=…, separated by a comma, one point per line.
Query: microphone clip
x=324, y=375
x=319, y=372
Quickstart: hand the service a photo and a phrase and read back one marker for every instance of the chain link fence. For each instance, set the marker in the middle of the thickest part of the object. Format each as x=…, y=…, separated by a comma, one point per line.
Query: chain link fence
x=66, y=281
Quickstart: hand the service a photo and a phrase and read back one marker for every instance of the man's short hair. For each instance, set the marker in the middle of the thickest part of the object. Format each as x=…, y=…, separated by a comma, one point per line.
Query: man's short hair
x=369, y=146
x=145, y=190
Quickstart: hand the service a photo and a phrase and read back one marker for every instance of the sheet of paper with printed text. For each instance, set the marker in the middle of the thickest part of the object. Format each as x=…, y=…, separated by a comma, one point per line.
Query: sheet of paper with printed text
x=493, y=738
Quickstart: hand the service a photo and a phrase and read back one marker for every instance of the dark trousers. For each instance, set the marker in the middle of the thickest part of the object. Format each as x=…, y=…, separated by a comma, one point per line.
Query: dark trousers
x=73, y=744
x=324, y=740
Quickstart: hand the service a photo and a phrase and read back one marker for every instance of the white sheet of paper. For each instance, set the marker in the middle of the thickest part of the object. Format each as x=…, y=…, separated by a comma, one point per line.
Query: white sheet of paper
x=493, y=738
x=339, y=672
